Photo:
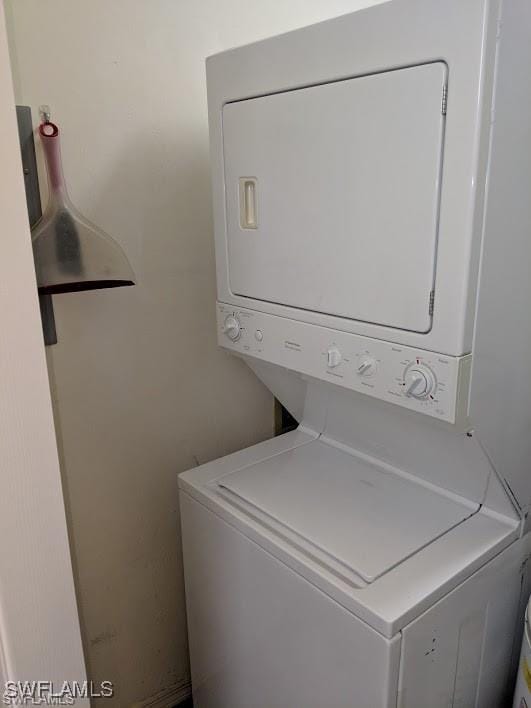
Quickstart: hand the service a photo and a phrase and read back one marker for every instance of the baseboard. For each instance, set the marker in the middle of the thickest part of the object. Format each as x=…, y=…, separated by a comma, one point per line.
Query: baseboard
x=167, y=698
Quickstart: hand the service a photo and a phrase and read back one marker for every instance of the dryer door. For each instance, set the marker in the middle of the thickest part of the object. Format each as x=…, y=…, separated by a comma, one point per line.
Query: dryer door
x=333, y=196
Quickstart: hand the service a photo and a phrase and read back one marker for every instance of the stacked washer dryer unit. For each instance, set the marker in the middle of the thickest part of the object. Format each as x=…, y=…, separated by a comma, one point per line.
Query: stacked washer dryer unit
x=372, y=200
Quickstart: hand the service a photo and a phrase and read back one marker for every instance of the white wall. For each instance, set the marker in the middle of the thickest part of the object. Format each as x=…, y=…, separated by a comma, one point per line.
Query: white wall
x=141, y=389
x=39, y=628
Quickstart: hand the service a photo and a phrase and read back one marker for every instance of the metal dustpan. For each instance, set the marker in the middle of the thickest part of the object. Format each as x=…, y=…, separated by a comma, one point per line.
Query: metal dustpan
x=71, y=253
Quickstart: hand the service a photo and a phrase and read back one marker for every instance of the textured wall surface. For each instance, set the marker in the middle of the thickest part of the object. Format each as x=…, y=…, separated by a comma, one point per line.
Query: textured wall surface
x=141, y=390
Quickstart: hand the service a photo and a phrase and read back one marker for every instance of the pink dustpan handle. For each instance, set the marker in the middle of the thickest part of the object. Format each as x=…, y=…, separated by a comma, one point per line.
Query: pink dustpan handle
x=52, y=152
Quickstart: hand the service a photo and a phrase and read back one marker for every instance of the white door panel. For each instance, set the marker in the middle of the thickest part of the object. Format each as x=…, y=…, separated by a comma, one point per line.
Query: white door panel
x=39, y=627
x=369, y=149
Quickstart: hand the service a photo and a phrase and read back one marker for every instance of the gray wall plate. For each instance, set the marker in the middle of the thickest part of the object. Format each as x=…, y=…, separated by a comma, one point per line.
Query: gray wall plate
x=33, y=199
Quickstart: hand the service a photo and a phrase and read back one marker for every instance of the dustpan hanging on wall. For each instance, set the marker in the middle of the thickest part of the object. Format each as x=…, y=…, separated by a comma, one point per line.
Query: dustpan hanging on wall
x=71, y=253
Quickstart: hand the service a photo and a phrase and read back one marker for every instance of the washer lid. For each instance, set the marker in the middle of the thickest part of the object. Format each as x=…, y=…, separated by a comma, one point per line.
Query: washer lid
x=361, y=516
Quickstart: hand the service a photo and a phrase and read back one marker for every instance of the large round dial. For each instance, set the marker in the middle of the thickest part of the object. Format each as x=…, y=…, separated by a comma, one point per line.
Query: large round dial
x=232, y=327
x=419, y=381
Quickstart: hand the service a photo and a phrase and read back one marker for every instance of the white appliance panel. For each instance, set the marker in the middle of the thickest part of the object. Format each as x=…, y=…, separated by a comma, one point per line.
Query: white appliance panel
x=370, y=366
x=262, y=636
x=500, y=400
x=366, y=517
x=460, y=652
x=395, y=598
x=332, y=196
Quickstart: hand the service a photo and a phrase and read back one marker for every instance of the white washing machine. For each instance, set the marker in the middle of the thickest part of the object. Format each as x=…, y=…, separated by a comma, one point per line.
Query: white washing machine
x=372, y=203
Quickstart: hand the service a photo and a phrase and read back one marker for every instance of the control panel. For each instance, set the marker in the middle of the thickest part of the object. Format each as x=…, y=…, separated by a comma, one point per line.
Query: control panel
x=429, y=383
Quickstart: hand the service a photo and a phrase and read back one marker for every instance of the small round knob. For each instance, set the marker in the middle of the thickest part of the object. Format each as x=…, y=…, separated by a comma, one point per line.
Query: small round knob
x=232, y=327
x=333, y=357
x=366, y=366
x=419, y=381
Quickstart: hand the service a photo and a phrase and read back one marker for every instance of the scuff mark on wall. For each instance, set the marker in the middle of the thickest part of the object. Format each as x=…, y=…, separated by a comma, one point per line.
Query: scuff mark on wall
x=103, y=638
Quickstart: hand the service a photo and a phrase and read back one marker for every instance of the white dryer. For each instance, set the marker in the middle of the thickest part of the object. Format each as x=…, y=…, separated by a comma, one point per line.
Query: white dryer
x=372, y=182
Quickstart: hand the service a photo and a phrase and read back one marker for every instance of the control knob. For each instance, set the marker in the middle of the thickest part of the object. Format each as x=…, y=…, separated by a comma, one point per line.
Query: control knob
x=419, y=381
x=333, y=357
x=366, y=366
x=232, y=327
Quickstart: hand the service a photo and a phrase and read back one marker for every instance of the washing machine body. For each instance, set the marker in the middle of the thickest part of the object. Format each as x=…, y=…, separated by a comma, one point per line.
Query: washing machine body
x=292, y=601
